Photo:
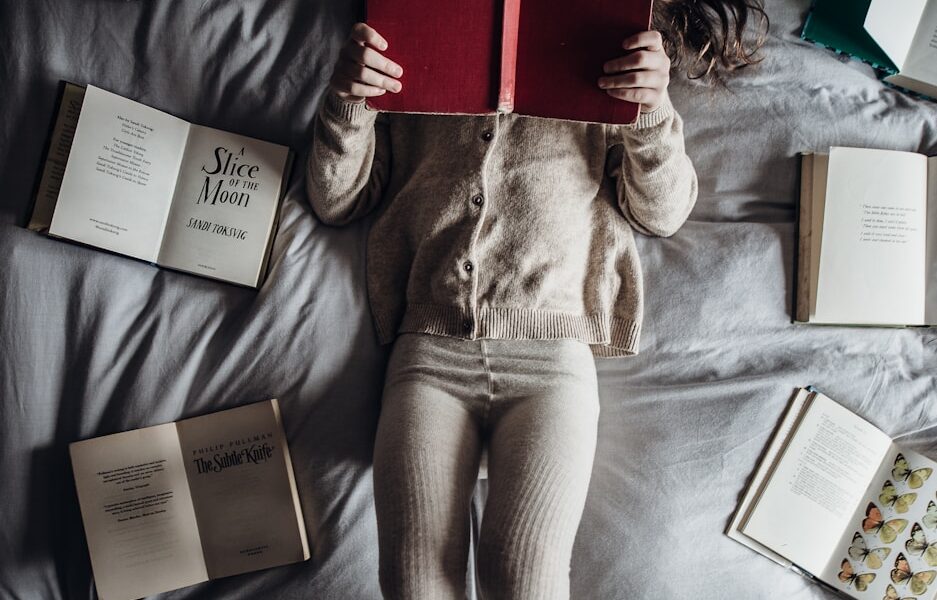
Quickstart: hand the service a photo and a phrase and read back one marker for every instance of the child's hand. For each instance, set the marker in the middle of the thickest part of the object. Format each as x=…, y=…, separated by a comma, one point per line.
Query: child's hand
x=363, y=72
x=642, y=75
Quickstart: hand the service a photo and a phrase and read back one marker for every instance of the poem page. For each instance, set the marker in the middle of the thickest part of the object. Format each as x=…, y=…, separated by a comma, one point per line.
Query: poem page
x=243, y=489
x=896, y=518
x=138, y=514
x=872, y=253
x=225, y=205
x=817, y=484
x=121, y=172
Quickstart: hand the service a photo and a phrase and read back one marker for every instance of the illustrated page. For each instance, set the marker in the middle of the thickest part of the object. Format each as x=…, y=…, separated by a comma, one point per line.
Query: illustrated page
x=820, y=479
x=921, y=63
x=138, y=514
x=872, y=254
x=931, y=260
x=225, y=205
x=239, y=471
x=889, y=549
x=121, y=172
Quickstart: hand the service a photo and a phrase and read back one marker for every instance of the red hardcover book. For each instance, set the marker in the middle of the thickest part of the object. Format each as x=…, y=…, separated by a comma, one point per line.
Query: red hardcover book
x=541, y=57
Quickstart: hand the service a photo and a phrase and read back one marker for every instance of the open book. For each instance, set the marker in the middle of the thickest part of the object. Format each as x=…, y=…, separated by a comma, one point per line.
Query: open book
x=137, y=181
x=174, y=505
x=900, y=40
x=867, y=252
x=835, y=499
x=537, y=57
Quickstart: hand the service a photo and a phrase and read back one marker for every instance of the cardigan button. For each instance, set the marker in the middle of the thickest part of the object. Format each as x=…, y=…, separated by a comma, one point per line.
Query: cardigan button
x=468, y=266
x=467, y=325
x=487, y=136
x=478, y=199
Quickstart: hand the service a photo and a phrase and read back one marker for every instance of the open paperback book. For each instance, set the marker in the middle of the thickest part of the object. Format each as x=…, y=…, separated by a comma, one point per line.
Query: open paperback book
x=134, y=180
x=172, y=505
x=537, y=57
x=900, y=40
x=834, y=498
x=867, y=252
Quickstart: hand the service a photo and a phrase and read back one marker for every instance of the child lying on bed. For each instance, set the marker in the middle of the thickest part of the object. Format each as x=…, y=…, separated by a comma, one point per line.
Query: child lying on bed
x=502, y=261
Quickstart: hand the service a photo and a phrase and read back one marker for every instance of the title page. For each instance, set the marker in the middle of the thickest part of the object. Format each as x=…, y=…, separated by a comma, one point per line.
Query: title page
x=120, y=176
x=137, y=512
x=243, y=489
x=225, y=205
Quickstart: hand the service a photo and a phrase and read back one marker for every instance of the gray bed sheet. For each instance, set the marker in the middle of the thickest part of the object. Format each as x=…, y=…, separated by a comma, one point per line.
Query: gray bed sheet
x=92, y=343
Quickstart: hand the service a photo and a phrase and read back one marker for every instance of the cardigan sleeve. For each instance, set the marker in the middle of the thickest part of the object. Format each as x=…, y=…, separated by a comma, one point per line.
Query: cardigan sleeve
x=349, y=161
x=654, y=178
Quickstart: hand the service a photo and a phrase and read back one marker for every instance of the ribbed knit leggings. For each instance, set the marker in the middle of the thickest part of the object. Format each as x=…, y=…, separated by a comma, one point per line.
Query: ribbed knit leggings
x=535, y=405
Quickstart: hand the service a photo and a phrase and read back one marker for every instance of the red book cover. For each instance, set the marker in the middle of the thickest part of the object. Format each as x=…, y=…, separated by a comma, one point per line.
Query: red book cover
x=534, y=57
x=450, y=51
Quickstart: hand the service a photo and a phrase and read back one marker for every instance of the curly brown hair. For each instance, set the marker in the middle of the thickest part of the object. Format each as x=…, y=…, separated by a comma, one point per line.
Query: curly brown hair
x=710, y=38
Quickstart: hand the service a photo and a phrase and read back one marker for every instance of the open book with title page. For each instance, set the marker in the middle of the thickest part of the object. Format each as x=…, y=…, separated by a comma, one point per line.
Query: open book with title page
x=137, y=181
x=867, y=252
x=834, y=498
x=173, y=505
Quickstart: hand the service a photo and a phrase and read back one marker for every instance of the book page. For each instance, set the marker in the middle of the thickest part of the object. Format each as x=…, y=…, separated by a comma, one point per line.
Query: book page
x=893, y=28
x=872, y=253
x=897, y=517
x=120, y=176
x=822, y=476
x=930, y=318
x=921, y=63
x=60, y=145
x=243, y=489
x=138, y=514
x=226, y=202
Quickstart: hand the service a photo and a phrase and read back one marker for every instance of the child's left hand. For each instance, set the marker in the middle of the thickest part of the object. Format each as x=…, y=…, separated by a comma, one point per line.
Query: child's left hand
x=642, y=75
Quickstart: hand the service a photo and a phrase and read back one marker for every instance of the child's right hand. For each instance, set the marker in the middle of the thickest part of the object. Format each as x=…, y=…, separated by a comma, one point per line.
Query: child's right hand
x=363, y=72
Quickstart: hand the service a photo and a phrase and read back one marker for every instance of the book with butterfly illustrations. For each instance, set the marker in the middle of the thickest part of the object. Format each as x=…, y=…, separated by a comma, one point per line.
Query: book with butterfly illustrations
x=865, y=508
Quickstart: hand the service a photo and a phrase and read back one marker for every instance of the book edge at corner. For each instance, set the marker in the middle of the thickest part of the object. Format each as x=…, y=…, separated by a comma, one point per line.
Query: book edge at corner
x=291, y=476
x=780, y=438
x=804, y=235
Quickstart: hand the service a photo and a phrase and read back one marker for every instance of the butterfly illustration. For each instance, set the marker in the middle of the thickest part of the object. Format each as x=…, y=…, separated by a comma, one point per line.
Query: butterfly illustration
x=887, y=530
x=847, y=576
x=860, y=551
x=903, y=472
x=917, y=545
x=918, y=582
x=930, y=519
x=892, y=594
x=890, y=497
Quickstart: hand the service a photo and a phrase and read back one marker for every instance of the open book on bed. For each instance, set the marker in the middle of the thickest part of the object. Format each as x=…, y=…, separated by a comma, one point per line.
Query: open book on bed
x=134, y=180
x=173, y=505
x=834, y=498
x=867, y=252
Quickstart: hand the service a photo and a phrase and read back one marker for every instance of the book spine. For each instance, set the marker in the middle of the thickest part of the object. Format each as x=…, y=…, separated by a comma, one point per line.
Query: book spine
x=804, y=238
x=509, y=28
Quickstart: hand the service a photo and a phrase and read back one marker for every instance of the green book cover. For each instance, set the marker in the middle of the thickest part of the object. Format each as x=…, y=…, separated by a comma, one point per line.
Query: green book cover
x=840, y=26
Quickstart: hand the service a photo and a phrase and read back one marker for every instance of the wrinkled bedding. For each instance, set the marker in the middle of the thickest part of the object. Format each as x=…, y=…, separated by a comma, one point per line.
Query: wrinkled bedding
x=92, y=343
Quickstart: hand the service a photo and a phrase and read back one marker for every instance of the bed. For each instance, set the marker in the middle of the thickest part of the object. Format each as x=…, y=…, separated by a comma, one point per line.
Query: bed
x=92, y=343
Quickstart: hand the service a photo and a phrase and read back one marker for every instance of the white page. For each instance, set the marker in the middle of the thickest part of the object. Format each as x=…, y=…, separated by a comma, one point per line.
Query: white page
x=909, y=504
x=120, y=176
x=820, y=479
x=138, y=513
x=243, y=490
x=930, y=317
x=872, y=254
x=224, y=207
x=893, y=26
x=921, y=63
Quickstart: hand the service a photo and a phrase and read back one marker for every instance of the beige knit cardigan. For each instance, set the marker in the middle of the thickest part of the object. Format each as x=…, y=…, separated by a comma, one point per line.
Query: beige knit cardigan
x=502, y=226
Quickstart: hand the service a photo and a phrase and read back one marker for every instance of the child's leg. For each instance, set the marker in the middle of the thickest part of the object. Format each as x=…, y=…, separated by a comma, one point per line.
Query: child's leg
x=543, y=433
x=426, y=458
